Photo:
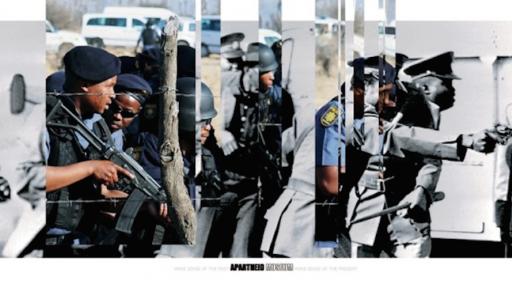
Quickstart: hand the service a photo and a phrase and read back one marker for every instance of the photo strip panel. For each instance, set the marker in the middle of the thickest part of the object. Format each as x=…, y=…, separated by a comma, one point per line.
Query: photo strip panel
x=126, y=59
x=292, y=218
x=22, y=147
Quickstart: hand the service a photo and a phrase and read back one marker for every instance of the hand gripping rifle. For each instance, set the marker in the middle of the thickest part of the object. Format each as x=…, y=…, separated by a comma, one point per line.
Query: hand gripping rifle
x=141, y=188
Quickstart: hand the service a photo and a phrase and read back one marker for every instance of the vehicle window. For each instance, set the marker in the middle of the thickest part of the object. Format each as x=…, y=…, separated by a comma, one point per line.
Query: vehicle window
x=136, y=23
x=215, y=25
x=205, y=24
x=211, y=25
x=161, y=24
x=117, y=22
x=49, y=28
x=192, y=27
x=180, y=27
x=390, y=30
x=96, y=22
x=154, y=20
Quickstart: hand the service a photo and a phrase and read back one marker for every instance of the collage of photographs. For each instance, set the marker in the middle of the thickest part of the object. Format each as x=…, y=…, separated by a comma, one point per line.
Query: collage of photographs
x=255, y=129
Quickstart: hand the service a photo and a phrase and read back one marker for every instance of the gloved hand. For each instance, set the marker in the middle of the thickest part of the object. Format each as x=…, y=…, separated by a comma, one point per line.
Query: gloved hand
x=482, y=141
x=228, y=200
x=419, y=201
x=5, y=190
x=228, y=142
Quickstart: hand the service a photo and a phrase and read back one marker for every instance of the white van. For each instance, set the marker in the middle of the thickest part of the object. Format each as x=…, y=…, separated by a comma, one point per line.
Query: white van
x=157, y=15
x=117, y=30
x=111, y=29
x=187, y=32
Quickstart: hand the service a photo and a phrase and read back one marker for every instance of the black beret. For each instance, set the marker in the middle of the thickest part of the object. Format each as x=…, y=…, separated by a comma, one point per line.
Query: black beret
x=55, y=82
x=91, y=64
x=135, y=84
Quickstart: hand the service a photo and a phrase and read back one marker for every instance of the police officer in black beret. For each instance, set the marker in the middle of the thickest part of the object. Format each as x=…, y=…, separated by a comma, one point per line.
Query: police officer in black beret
x=90, y=77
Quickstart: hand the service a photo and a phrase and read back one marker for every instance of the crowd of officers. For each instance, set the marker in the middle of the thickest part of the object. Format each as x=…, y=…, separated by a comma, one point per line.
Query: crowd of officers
x=256, y=191
x=118, y=99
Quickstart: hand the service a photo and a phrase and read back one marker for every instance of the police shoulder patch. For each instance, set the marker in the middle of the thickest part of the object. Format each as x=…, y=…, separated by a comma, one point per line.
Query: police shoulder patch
x=330, y=116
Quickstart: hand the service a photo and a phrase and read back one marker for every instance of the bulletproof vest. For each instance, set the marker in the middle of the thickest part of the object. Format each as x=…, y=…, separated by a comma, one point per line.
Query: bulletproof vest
x=150, y=36
x=210, y=179
x=245, y=118
x=269, y=105
x=65, y=149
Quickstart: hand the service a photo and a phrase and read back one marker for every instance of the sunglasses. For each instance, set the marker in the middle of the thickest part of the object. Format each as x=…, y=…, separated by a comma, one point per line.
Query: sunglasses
x=116, y=108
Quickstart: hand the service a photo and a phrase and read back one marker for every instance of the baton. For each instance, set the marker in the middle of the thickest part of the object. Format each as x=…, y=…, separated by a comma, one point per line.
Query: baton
x=381, y=213
x=438, y=196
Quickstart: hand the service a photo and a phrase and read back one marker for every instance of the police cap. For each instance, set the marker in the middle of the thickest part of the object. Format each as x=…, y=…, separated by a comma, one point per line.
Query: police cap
x=439, y=66
x=230, y=45
x=138, y=87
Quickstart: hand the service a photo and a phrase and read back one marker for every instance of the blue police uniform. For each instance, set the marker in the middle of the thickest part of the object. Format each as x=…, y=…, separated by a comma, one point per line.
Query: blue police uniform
x=328, y=139
x=64, y=147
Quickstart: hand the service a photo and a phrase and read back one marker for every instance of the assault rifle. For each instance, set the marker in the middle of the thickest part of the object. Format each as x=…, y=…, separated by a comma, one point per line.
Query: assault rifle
x=141, y=187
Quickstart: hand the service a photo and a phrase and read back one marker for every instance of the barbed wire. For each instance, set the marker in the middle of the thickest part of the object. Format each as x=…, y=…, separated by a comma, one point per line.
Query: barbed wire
x=123, y=200
x=69, y=94
x=115, y=200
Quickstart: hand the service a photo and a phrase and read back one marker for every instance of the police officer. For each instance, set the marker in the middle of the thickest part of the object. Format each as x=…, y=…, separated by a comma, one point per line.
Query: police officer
x=217, y=207
x=150, y=37
x=240, y=143
x=295, y=209
x=405, y=177
x=131, y=93
x=261, y=61
x=334, y=150
x=270, y=93
x=90, y=77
